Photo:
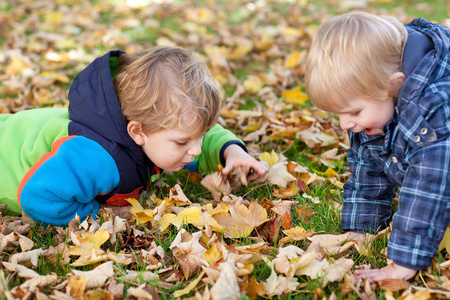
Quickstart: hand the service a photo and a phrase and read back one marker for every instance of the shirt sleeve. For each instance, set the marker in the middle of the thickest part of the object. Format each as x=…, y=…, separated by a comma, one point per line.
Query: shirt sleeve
x=367, y=193
x=65, y=182
x=214, y=144
x=423, y=213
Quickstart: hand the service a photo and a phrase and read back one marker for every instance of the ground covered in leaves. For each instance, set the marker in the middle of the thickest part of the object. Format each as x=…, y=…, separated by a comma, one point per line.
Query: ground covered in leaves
x=191, y=235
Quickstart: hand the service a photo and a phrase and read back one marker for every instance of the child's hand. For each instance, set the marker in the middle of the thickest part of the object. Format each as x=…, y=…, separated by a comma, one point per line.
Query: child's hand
x=121, y=211
x=236, y=157
x=392, y=271
x=359, y=238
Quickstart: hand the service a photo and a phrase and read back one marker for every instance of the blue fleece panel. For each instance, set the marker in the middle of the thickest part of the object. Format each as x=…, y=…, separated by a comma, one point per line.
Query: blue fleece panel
x=67, y=183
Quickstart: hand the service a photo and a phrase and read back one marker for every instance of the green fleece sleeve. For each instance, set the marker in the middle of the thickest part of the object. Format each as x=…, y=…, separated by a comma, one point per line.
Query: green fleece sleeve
x=214, y=144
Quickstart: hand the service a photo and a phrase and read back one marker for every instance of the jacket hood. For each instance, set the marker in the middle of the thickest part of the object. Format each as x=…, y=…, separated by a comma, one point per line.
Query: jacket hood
x=93, y=101
x=425, y=39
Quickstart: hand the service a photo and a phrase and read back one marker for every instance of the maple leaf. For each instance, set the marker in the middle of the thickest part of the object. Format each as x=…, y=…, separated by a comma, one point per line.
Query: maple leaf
x=295, y=96
x=216, y=185
x=278, y=284
x=253, y=84
x=296, y=234
x=337, y=270
x=333, y=244
x=141, y=214
x=279, y=175
x=254, y=215
x=96, y=277
x=85, y=244
x=227, y=286
x=271, y=158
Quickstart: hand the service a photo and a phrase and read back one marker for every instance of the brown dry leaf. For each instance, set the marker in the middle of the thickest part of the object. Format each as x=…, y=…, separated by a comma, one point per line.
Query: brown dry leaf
x=22, y=271
x=393, y=285
x=303, y=214
x=191, y=249
x=29, y=256
x=278, y=284
x=254, y=289
x=144, y=292
x=333, y=244
x=96, y=277
x=286, y=222
x=296, y=234
x=337, y=270
x=227, y=286
x=278, y=175
x=216, y=185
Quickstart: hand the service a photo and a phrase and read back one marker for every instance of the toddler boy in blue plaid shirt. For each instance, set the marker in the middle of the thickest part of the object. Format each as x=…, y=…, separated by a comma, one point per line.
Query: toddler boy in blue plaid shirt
x=389, y=84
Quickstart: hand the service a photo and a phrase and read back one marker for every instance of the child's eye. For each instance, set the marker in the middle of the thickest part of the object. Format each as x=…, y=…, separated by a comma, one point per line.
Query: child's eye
x=355, y=113
x=181, y=143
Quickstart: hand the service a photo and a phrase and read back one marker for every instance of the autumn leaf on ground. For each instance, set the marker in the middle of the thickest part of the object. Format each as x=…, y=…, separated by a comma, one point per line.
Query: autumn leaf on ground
x=279, y=175
x=337, y=270
x=303, y=213
x=216, y=185
x=271, y=158
x=333, y=244
x=295, y=96
x=296, y=234
x=242, y=219
x=98, y=276
x=278, y=284
x=227, y=286
x=141, y=214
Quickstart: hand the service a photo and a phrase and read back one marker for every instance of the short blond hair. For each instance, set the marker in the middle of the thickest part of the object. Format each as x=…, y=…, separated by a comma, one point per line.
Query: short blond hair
x=353, y=55
x=163, y=87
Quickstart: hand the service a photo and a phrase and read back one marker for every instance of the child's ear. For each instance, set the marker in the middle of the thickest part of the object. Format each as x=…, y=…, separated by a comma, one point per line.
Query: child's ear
x=396, y=80
x=134, y=129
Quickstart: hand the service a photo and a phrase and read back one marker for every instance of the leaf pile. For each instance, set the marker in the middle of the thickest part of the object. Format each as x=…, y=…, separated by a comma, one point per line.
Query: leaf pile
x=224, y=242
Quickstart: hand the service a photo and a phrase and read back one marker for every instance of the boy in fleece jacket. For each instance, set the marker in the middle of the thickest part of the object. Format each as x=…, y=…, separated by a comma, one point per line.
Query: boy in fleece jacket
x=129, y=116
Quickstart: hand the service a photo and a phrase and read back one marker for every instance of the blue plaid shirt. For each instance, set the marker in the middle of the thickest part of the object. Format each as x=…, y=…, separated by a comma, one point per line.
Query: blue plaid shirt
x=414, y=156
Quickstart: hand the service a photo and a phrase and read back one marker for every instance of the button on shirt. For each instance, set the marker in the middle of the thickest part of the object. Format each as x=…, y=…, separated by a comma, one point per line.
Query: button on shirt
x=414, y=156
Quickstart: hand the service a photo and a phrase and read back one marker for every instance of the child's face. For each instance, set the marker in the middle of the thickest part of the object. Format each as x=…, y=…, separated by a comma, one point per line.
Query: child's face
x=172, y=149
x=366, y=115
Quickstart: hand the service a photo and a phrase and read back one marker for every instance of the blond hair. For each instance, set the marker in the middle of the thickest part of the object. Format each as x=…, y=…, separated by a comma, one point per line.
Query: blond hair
x=353, y=55
x=163, y=87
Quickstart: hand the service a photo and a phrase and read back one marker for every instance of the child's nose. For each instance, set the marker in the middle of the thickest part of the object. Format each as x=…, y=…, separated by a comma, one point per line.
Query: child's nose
x=196, y=148
x=346, y=122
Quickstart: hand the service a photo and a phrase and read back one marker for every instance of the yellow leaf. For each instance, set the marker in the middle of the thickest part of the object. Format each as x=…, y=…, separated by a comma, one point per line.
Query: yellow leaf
x=293, y=59
x=190, y=286
x=254, y=215
x=215, y=209
x=253, y=84
x=297, y=234
x=190, y=215
x=141, y=214
x=56, y=76
x=240, y=52
x=328, y=173
x=17, y=65
x=271, y=158
x=295, y=96
x=166, y=220
x=213, y=254
x=77, y=287
x=445, y=242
